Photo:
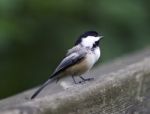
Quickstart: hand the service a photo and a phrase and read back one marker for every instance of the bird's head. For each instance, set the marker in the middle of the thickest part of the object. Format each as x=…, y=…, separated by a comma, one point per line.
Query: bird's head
x=89, y=39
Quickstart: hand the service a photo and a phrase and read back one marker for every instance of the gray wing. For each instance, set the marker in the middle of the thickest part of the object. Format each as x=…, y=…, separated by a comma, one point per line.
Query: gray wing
x=73, y=56
x=69, y=61
x=75, y=49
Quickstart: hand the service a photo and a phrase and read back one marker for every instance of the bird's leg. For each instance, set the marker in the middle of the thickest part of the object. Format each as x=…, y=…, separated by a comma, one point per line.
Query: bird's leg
x=85, y=79
x=74, y=80
x=57, y=80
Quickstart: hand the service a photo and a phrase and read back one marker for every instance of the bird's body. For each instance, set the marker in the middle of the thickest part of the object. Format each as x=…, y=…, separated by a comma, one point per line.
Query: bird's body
x=85, y=64
x=78, y=59
x=86, y=61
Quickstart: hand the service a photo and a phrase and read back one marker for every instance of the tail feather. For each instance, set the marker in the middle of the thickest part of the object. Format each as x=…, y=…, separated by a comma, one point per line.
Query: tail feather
x=41, y=88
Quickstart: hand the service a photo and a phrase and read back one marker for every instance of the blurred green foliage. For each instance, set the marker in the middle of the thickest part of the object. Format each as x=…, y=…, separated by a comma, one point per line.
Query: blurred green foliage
x=35, y=34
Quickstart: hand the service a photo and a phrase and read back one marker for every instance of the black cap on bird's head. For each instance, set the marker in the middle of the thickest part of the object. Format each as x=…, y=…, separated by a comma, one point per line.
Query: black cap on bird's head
x=87, y=34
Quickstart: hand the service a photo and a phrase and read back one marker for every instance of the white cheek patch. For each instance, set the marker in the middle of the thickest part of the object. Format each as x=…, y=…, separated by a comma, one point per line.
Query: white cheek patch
x=89, y=41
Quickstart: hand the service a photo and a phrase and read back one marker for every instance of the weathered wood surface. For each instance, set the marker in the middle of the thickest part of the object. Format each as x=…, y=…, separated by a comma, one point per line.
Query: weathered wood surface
x=120, y=87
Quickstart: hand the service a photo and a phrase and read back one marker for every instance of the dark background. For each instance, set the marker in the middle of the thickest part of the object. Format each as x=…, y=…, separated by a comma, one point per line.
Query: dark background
x=35, y=34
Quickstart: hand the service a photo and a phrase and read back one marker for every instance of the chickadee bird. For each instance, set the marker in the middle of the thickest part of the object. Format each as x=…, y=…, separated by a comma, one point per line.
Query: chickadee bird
x=78, y=59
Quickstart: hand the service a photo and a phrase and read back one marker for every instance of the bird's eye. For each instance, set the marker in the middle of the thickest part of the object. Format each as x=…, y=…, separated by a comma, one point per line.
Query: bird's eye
x=96, y=44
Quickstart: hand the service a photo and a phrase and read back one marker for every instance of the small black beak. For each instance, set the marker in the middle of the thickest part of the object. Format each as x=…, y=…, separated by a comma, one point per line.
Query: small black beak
x=101, y=37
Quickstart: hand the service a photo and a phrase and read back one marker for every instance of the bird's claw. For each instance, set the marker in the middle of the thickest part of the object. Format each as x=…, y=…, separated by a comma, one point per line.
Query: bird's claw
x=87, y=79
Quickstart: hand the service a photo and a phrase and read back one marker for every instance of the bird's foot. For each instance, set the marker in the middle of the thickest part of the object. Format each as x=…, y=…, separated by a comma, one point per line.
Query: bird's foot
x=85, y=79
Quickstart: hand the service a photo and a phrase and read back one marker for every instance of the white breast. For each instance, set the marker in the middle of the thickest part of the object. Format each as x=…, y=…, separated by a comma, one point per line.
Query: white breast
x=92, y=57
x=97, y=53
